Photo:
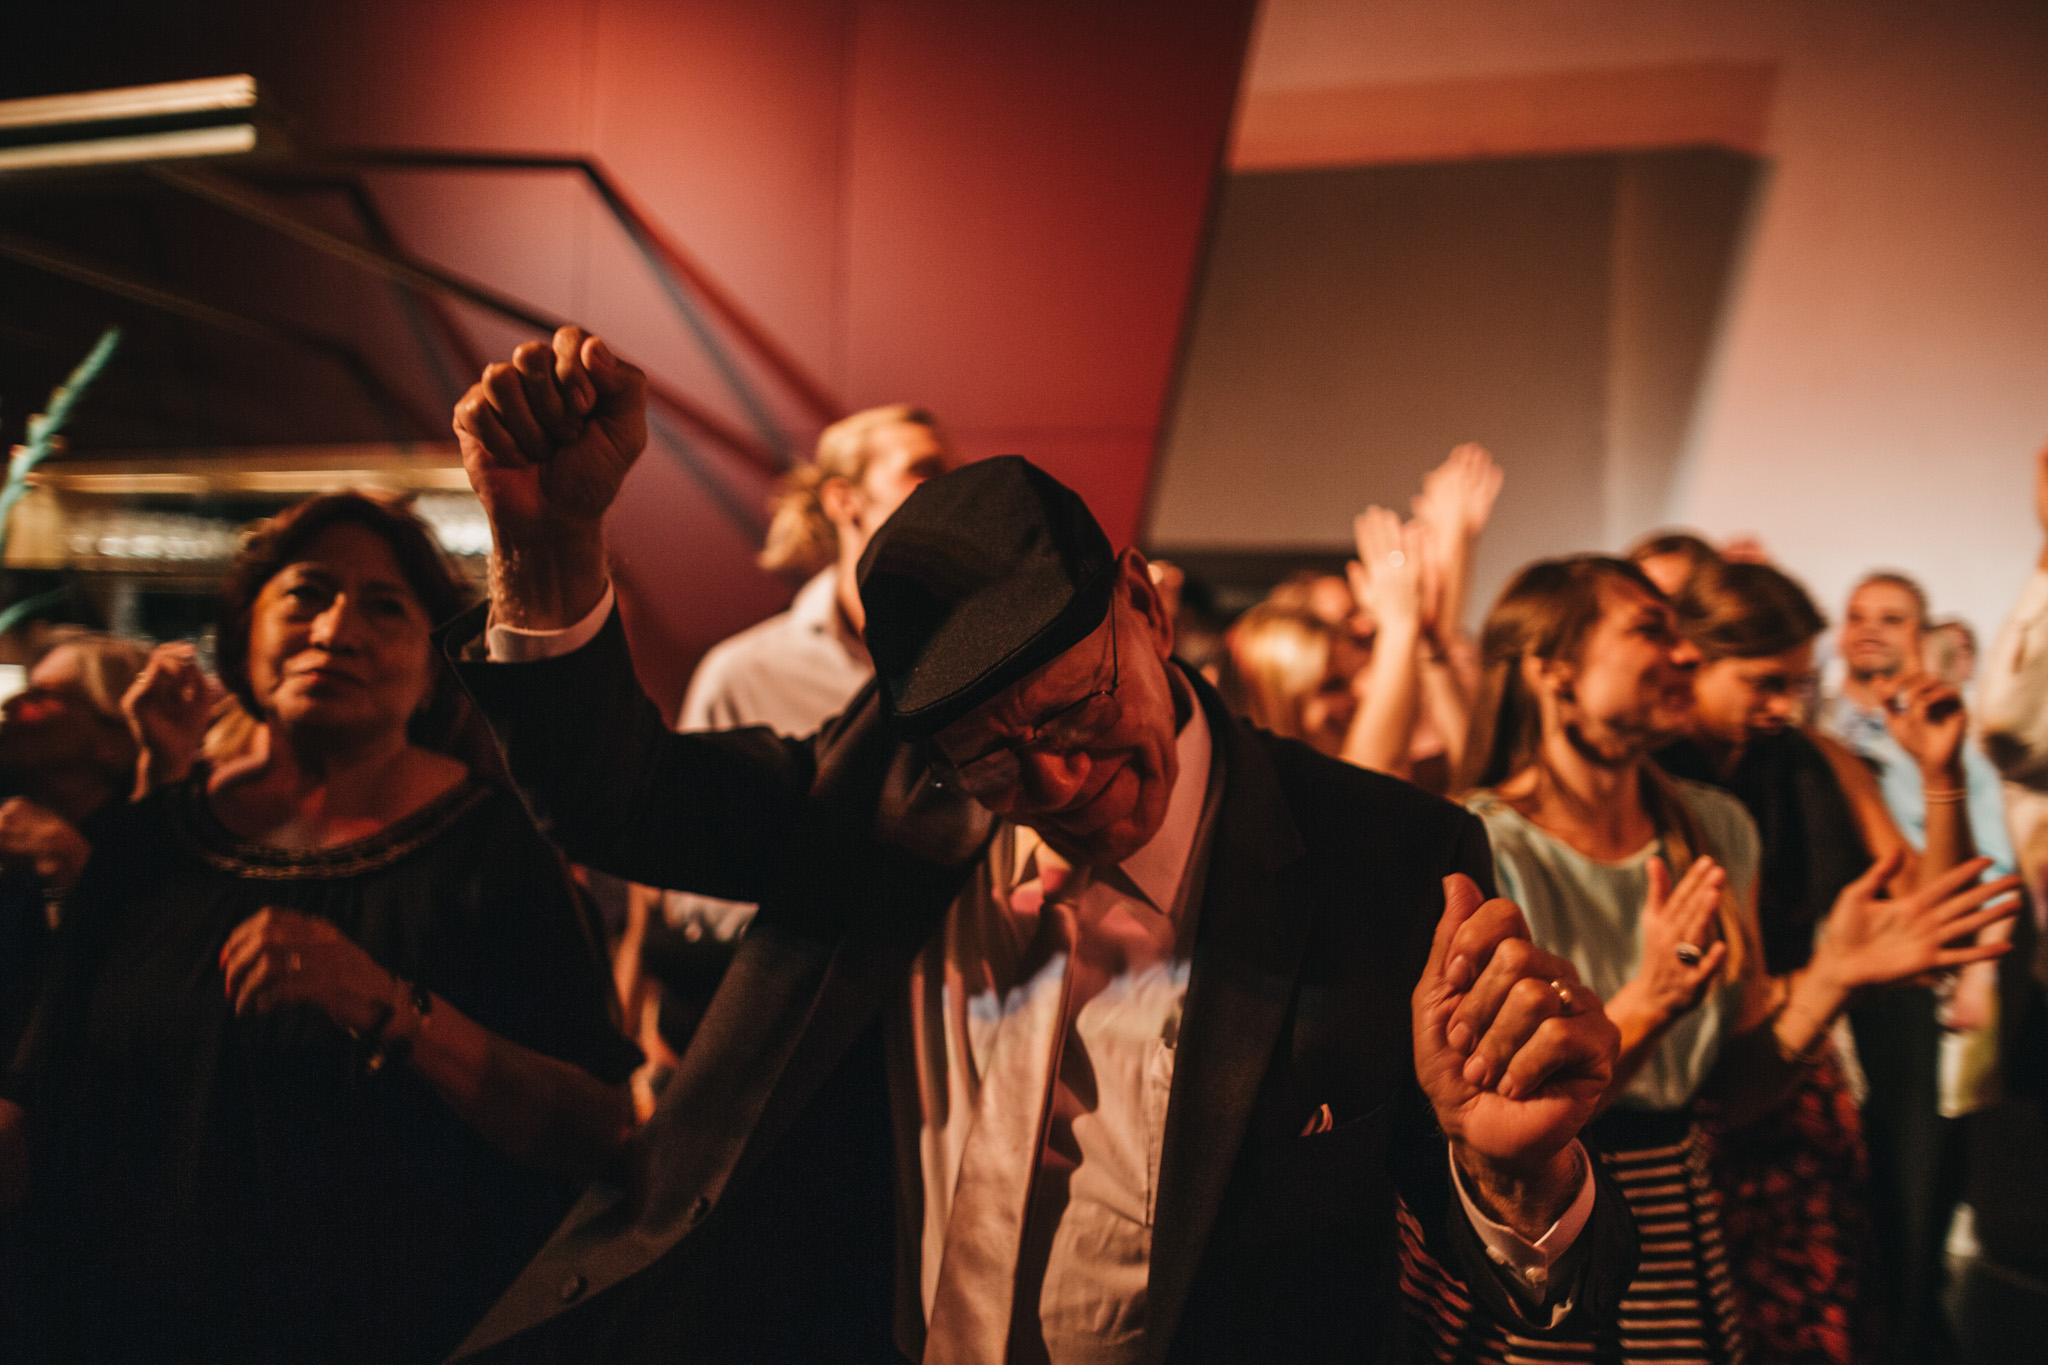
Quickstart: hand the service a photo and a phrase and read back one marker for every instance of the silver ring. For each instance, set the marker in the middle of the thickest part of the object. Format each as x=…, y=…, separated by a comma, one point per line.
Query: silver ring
x=1689, y=954
x=1565, y=997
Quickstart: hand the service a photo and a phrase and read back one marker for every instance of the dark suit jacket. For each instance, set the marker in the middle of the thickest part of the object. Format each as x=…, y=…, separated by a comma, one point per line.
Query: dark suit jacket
x=769, y=1210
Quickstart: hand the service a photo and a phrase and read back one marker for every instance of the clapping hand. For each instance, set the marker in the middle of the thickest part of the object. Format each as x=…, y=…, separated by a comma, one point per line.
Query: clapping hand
x=1457, y=496
x=1514, y=1053
x=168, y=707
x=1869, y=941
x=1387, y=577
x=1926, y=717
x=548, y=439
x=1682, y=945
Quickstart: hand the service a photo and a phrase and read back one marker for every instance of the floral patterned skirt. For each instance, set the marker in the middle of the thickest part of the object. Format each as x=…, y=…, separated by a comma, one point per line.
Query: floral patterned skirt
x=1795, y=1210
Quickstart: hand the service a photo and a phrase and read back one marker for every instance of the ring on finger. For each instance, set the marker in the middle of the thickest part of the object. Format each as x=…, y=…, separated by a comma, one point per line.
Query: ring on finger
x=1565, y=999
x=1689, y=954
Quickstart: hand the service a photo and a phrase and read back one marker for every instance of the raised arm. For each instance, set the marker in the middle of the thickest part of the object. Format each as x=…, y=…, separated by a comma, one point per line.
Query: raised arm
x=2012, y=696
x=546, y=441
x=1386, y=581
x=1927, y=718
x=1455, y=504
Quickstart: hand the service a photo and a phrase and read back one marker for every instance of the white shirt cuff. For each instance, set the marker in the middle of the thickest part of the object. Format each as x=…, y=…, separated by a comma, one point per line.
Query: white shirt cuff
x=1525, y=1264
x=514, y=645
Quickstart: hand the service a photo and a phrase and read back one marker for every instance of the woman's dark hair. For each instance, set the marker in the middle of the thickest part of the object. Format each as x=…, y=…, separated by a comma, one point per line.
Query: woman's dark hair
x=277, y=542
x=1745, y=611
x=1544, y=613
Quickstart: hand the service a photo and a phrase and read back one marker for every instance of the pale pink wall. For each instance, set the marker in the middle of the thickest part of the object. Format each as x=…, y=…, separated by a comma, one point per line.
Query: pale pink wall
x=1882, y=379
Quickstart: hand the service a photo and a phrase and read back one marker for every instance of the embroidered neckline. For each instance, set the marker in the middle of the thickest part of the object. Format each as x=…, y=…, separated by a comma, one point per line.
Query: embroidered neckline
x=202, y=834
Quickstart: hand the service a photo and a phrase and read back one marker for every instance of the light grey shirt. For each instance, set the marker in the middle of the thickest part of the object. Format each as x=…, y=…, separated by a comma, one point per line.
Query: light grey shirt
x=1592, y=913
x=792, y=672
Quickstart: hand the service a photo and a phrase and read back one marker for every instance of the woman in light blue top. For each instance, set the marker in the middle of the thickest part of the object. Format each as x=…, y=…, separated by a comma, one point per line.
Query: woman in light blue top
x=1648, y=885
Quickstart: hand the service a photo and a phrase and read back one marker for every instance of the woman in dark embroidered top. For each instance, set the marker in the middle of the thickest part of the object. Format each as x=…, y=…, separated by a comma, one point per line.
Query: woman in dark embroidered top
x=329, y=1042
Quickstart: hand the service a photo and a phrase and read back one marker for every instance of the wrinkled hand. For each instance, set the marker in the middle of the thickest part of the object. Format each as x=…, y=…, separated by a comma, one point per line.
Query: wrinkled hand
x=1511, y=1074
x=1927, y=718
x=548, y=439
x=279, y=957
x=1688, y=913
x=1387, y=577
x=1869, y=941
x=168, y=707
x=39, y=839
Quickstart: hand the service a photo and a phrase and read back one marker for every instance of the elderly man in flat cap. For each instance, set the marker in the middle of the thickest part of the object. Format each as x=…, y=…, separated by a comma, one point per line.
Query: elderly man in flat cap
x=1080, y=1022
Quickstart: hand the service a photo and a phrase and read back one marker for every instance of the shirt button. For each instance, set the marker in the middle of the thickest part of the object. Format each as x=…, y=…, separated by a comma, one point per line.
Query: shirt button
x=573, y=1287
x=1536, y=1275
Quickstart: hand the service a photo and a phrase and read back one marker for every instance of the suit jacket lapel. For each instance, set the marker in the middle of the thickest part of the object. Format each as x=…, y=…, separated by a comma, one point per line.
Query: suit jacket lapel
x=677, y=1164
x=1248, y=947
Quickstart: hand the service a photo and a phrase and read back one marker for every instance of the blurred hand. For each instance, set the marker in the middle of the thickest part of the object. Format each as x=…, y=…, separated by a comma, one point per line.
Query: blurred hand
x=1869, y=941
x=1457, y=496
x=1386, y=578
x=1665, y=986
x=279, y=957
x=42, y=841
x=548, y=439
x=1926, y=717
x=168, y=706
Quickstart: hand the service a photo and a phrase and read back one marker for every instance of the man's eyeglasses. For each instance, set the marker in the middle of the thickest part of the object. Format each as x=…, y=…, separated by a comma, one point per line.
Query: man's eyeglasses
x=1069, y=729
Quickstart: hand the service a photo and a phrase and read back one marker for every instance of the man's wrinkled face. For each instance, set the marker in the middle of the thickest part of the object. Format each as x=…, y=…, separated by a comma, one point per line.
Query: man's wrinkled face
x=1881, y=630
x=1099, y=803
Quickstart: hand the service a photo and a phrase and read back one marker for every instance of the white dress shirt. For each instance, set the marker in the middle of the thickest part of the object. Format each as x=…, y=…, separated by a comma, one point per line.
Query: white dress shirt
x=792, y=672
x=1089, y=1019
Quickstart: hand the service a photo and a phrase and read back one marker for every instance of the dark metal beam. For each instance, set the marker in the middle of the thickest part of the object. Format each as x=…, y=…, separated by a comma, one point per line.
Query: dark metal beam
x=257, y=208
x=55, y=262
x=647, y=233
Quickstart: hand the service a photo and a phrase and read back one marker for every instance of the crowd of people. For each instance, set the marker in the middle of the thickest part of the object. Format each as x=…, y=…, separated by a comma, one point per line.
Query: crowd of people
x=1016, y=963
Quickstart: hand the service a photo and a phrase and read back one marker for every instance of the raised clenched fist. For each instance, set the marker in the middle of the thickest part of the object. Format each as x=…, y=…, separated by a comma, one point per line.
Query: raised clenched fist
x=548, y=438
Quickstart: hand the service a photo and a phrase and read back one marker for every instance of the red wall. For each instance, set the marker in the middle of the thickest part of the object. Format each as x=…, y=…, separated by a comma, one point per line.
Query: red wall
x=991, y=208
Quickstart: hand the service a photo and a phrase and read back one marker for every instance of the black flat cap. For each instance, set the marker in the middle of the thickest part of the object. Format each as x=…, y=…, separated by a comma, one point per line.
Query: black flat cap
x=981, y=576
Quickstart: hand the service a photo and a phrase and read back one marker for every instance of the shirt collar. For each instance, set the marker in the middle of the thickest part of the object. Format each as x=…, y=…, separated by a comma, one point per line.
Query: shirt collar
x=815, y=608
x=817, y=602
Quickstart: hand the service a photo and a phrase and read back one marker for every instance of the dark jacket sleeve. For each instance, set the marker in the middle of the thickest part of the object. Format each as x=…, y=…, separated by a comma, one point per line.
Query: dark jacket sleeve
x=1589, y=1279
x=615, y=788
